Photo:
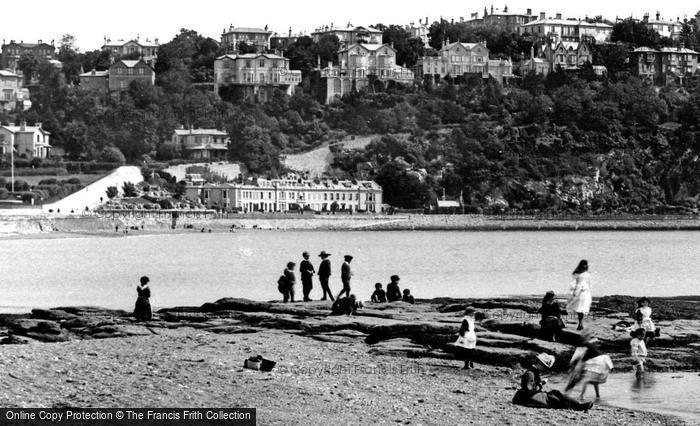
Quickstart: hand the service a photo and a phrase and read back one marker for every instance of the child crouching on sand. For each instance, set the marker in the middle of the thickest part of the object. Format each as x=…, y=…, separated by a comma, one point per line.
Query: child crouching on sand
x=467, y=337
x=638, y=351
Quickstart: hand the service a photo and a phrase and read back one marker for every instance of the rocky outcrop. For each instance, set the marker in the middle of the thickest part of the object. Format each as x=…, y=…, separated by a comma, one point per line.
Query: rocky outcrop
x=508, y=332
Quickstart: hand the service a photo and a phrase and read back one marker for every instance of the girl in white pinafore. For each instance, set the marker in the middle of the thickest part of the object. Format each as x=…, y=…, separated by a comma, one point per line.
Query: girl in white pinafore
x=467, y=337
x=580, y=298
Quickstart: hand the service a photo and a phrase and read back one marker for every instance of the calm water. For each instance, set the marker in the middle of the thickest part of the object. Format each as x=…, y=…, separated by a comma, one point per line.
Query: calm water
x=190, y=269
x=666, y=393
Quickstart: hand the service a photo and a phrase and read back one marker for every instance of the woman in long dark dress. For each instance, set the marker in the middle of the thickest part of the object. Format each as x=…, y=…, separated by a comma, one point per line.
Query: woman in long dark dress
x=142, y=310
x=551, y=322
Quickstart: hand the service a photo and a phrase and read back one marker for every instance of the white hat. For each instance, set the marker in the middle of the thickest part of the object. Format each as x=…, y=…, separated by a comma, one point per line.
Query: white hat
x=546, y=359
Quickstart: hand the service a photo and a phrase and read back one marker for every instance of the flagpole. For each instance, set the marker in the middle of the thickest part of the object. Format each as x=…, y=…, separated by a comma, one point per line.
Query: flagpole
x=12, y=167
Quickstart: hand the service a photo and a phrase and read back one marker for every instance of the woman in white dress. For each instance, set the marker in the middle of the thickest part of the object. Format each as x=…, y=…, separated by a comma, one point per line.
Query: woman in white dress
x=580, y=296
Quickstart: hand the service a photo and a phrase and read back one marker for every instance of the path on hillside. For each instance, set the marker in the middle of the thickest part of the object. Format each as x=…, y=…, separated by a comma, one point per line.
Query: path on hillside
x=90, y=195
x=317, y=161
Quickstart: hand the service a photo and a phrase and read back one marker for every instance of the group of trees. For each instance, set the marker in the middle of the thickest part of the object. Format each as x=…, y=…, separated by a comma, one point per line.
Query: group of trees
x=561, y=142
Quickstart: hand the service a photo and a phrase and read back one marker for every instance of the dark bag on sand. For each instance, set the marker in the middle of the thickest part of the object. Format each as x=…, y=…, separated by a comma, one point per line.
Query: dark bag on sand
x=282, y=284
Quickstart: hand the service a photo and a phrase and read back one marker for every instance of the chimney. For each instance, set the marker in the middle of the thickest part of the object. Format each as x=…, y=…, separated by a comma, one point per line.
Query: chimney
x=191, y=128
x=290, y=32
x=420, y=21
x=39, y=41
x=453, y=21
x=491, y=9
x=23, y=126
x=543, y=15
x=155, y=40
x=38, y=124
x=93, y=71
x=532, y=51
x=646, y=17
x=658, y=15
x=461, y=19
x=529, y=12
x=426, y=20
x=558, y=15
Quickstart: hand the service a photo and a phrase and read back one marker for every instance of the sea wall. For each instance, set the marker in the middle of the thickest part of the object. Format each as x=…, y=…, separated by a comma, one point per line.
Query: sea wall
x=29, y=224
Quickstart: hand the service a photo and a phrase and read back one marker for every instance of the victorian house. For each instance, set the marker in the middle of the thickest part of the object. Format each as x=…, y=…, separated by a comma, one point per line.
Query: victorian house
x=349, y=34
x=202, y=144
x=256, y=38
x=13, y=51
x=255, y=75
x=28, y=141
x=145, y=50
x=359, y=65
x=459, y=59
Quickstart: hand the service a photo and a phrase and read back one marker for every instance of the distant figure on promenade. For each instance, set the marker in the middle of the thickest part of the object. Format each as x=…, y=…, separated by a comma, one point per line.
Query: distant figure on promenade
x=307, y=271
x=291, y=281
x=324, y=273
x=467, y=337
x=638, y=351
x=589, y=365
x=532, y=393
x=345, y=275
x=393, y=293
x=142, y=309
x=551, y=322
x=379, y=295
x=408, y=297
x=580, y=297
x=642, y=317
x=345, y=306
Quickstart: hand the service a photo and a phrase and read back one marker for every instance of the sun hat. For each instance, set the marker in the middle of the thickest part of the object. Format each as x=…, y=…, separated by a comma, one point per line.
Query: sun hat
x=324, y=254
x=546, y=359
x=347, y=257
x=395, y=278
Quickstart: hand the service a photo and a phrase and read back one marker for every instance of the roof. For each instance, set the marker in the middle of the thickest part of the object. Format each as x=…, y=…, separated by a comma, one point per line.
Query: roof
x=5, y=73
x=28, y=45
x=252, y=56
x=130, y=63
x=119, y=43
x=28, y=129
x=467, y=46
x=369, y=47
x=644, y=49
x=346, y=29
x=214, y=132
x=94, y=73
x=447, y=203
x=247, y=30
x=678, y=50
x=550, y=21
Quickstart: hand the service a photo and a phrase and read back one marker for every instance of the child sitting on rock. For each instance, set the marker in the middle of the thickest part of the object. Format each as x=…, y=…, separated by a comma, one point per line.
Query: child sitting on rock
x=638, y=351
x=379, y=295
x=408, y=297
x=345, y=306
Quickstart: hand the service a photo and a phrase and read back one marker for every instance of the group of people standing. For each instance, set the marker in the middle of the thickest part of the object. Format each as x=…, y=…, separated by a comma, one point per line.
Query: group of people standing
x=287, y=281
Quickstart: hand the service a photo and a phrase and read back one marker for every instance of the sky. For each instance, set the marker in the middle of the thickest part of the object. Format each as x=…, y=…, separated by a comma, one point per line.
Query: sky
x=91, y=21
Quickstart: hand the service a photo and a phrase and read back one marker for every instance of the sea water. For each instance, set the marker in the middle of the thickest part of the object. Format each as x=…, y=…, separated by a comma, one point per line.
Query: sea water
x=194, y=268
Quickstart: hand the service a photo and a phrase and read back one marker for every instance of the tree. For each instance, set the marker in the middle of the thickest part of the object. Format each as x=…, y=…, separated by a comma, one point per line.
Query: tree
x=129, y=189
x=408, y=50
x=112, y=192
x=29, y=65
x=76, y=141
x=111, y=154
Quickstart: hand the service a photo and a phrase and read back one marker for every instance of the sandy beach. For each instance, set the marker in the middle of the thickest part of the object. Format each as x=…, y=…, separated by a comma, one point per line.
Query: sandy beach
x=385, y=365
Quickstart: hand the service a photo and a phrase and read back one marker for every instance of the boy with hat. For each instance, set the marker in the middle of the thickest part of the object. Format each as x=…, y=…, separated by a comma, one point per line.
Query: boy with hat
x=324, y=272
x=345, y=275
x=306, y=269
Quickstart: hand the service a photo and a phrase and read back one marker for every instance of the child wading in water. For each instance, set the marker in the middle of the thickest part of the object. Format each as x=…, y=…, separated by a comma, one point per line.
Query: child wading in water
x=467, y=337
x=638, y=351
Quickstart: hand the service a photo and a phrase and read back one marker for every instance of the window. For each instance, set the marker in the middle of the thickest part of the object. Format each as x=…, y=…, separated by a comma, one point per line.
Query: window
x=225, y=194
x=261, y=63
x=248, y=64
